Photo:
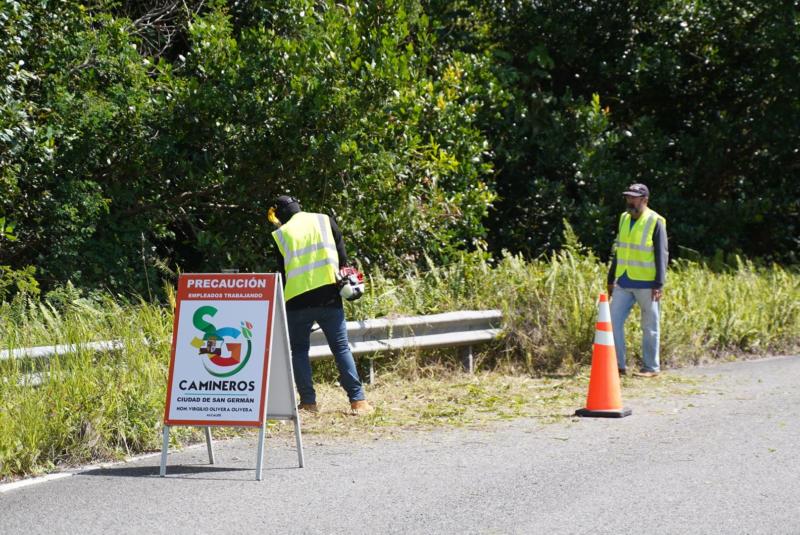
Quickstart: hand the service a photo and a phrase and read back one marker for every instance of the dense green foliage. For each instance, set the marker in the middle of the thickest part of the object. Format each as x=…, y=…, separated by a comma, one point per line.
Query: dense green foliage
x=697, y=99
x=117, y=161
x=100, y=405
x=139, y=138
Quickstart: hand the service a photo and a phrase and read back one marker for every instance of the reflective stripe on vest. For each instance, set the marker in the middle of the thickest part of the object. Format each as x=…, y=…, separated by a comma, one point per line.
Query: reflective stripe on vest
x=309, y=253
x=634, y=246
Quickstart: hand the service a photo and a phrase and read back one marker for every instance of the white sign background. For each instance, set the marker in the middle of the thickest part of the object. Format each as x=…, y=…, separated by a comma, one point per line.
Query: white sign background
x=217, y=406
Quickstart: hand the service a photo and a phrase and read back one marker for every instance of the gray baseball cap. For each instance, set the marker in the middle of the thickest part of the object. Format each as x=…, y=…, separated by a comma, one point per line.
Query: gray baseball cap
x=637, y=190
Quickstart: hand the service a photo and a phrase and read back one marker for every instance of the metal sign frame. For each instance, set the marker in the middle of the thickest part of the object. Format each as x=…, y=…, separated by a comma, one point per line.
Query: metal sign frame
x=278, y=398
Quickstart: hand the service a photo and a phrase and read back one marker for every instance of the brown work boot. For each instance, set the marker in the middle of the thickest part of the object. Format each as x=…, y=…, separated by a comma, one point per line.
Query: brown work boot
x=309, y=407
x=645, y=374
x=361, y=407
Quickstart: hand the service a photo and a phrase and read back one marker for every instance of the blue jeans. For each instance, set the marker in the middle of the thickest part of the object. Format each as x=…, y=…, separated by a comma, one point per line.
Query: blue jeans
x=622, y=301
x=331, y=320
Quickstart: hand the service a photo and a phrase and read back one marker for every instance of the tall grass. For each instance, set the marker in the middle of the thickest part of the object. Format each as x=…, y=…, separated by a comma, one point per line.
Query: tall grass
x=89, y=405
x=105, y=405
x=550, y=304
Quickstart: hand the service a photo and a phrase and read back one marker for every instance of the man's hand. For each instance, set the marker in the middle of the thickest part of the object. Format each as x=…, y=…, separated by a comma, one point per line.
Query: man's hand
x=610, y=289
x=657, y=294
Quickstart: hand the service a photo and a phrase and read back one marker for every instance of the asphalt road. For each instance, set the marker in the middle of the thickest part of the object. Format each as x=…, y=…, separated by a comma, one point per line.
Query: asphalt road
x=723, y=461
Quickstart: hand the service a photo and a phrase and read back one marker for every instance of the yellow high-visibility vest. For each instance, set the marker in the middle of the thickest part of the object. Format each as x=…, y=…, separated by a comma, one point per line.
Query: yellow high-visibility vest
x=309, y=252
x=634, y=246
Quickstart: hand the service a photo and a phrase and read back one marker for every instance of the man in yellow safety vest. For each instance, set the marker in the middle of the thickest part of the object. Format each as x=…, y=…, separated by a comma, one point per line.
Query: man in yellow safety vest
x=636, y=275
x=311, y=253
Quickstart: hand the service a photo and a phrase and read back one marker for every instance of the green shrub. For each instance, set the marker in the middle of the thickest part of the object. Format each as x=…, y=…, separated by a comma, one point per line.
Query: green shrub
x=15, y=282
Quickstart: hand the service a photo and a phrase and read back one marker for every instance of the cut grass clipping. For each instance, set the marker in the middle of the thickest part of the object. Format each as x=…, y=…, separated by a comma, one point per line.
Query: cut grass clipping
x=453, y=399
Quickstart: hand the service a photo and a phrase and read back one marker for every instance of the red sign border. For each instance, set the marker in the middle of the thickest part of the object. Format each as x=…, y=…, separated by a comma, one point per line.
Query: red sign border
x=271, y=293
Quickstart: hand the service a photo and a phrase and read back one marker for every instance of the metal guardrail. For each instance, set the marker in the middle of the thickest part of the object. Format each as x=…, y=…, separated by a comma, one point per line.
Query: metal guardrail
x=51, y=351
x=45, y=352
x=451, y=329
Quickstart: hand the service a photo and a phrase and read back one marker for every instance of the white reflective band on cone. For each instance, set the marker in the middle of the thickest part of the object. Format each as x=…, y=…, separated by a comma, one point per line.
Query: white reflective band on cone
x=604, y=338
x=604, y=314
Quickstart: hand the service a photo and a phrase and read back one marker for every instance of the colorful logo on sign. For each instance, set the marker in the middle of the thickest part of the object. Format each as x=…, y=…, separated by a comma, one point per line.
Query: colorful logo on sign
x=216, y=362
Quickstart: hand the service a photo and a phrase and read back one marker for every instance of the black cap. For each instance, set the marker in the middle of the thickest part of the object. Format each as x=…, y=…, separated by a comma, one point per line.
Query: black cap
x=637, y=190
x=285, y=200
x=286, y=206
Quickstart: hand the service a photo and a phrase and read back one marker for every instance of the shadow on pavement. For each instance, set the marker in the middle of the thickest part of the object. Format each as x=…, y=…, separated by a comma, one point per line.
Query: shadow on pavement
x=174, y=471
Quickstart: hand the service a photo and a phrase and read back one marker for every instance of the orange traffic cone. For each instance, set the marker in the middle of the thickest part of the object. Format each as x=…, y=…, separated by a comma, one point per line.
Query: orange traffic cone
x=604, y=399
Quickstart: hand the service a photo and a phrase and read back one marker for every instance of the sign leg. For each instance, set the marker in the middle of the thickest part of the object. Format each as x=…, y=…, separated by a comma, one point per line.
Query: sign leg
x=164, y=451
x=299, y=439
x=209, y=446
x=260, y=458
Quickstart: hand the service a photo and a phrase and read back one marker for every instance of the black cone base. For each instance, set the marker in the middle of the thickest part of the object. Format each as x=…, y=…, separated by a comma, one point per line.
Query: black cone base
x=622, y=413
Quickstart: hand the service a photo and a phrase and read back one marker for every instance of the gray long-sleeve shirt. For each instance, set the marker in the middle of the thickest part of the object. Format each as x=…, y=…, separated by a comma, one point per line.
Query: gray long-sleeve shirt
x=662, y=257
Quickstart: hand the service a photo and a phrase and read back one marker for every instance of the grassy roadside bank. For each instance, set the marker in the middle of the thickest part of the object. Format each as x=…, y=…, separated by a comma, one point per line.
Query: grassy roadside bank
x=106, y=406
x=446, y=398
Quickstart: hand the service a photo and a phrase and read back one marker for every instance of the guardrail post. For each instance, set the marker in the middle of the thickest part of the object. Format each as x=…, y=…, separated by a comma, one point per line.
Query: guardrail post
x=467, y=359
x=371, y=371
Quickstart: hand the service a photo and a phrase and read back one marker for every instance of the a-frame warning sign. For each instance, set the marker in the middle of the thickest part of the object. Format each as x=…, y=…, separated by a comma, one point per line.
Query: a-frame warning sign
x=230, y=363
